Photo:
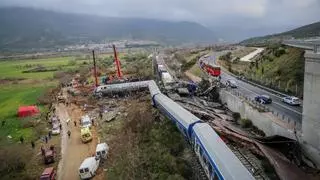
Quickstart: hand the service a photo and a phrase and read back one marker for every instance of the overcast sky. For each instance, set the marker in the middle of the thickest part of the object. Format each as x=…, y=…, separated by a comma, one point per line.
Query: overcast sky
x=211, y=13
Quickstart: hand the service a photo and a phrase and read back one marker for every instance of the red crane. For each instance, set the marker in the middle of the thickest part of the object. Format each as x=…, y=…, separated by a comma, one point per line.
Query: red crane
x=95, y=69
x=118, y=68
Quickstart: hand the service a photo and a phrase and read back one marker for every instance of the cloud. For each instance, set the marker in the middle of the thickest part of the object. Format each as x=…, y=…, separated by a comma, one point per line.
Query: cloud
x=249, y=13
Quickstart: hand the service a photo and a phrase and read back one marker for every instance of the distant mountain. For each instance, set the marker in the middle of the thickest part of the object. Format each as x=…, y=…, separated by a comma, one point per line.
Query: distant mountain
x=311, y=30
x=23, y=28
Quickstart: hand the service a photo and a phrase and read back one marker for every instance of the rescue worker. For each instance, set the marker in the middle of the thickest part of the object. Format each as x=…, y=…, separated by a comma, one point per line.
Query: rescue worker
x=21, y=139
x=69, y=133
x=32, y=144
x=43, y=152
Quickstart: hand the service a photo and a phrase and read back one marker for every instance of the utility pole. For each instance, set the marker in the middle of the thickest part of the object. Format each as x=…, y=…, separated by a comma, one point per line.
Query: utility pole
x=94, y=69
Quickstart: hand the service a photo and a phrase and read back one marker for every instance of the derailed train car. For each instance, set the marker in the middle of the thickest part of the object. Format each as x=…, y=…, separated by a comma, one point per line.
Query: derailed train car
x=217, y=160
x=215, y=157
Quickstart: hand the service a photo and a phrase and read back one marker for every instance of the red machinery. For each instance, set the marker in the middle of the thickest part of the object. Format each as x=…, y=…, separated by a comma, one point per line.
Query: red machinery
x=118, y=68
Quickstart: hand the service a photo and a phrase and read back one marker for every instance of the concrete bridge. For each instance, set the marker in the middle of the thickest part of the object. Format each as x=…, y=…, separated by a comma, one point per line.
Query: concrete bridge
x=310, y=139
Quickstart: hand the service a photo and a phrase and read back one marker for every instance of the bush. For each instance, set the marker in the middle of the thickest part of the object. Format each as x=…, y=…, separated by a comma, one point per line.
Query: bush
x=13, y=160
x=279, y=52
x=245, y=123
x=48, y=97
x=72, y=62
x=189, y=64
x=226, y=57
x=236, y=116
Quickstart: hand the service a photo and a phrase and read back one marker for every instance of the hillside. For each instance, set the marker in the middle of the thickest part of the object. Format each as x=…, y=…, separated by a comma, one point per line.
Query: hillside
x=307, y=31
x=30, y=28
x=278, y=67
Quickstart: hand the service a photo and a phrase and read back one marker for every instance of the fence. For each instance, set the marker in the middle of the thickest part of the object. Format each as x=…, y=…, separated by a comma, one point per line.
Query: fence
x=293, y=124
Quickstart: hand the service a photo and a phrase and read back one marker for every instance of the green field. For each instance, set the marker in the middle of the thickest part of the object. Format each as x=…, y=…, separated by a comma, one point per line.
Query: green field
x=14, y=68
x=13, y=96
x=18, y=93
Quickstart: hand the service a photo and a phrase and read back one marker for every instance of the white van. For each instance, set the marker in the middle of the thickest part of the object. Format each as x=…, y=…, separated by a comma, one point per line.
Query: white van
x=86, y=122
x=102, y=150
x=88, y=167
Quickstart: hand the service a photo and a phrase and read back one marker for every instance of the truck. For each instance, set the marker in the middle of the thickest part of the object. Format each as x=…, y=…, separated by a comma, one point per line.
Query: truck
x=48, y=154
x=48, y=174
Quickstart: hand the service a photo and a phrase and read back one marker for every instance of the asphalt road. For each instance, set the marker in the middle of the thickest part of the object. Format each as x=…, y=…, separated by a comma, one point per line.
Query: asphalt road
x=293, y=112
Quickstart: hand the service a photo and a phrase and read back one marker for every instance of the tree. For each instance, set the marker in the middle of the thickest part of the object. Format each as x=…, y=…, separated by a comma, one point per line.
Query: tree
x=251, y=65
x=226, y=57
x=72, y=62
x=262, y=70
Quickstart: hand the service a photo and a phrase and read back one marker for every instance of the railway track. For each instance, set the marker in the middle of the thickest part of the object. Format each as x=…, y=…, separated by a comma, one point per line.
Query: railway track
x=250, y=162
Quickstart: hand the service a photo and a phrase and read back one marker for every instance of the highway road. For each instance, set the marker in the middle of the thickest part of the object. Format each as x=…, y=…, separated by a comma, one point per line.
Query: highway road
x=293, y=112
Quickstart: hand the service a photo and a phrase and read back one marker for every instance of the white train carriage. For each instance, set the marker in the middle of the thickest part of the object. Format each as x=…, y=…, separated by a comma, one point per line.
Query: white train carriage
x=216, y=158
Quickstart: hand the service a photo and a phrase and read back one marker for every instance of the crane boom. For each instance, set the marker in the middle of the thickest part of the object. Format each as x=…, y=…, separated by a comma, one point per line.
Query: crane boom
x=118, y=68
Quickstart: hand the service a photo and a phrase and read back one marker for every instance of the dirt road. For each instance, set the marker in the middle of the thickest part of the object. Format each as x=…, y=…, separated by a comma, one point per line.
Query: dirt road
x=72, y=149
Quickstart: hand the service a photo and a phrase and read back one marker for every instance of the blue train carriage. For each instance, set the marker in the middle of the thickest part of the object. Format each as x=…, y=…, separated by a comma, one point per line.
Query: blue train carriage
x=218, y=161
x=216, y=158
x=181, y=117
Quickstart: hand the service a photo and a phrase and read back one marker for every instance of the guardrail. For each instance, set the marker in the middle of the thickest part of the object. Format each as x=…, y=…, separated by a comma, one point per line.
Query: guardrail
x=263, y=108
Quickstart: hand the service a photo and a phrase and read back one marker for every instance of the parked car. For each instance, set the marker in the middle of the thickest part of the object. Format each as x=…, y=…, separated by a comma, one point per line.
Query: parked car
x=263, y=99
x=294, y=101
x=55, y=130
x=48, y=174
x=232, y=83
x=89, y=167
x=86, y=122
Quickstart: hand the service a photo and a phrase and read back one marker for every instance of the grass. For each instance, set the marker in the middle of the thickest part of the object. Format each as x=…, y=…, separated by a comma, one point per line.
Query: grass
x=20, y=161
x=141, y=149
x=195, y=70
x=13, y=96
x=14, y=68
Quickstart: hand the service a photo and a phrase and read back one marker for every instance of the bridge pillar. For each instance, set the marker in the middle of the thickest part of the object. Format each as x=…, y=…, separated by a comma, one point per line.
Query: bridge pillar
x=311, y=106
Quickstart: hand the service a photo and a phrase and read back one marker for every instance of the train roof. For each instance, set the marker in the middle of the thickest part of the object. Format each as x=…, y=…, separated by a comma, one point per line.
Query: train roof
x=123, y=86
x=220, y=155
x=184, y=117
x=153, y=88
